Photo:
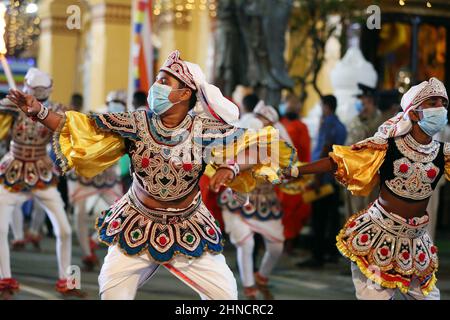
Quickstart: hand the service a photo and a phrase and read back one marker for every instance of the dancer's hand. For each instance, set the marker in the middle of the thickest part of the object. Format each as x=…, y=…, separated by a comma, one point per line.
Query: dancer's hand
x=220, y=178
x=27, y=103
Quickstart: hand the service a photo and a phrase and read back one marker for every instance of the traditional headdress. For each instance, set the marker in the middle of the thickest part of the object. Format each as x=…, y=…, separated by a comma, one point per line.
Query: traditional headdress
x=37, y=78
x=401, y=124
x=266, y=111
x=210, y=101
x=120, y=95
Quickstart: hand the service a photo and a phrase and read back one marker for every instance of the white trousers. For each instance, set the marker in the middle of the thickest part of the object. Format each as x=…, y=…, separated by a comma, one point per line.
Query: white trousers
x=368, y=290
x=37, y=220
x=241, y=234
x=17, y=224
x=79, y=194
x=122, y=275
x=50, y=199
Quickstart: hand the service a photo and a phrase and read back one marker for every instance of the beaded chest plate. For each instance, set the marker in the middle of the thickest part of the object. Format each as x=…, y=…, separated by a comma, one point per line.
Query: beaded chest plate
x=27, y=165
x=412, y=170
x=167, y=162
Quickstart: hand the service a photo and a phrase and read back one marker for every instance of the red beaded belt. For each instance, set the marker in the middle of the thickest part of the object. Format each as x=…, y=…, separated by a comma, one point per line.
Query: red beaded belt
x=28, y=152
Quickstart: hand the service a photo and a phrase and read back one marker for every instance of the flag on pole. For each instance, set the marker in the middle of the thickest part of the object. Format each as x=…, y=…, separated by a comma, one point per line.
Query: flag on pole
x=140, y=75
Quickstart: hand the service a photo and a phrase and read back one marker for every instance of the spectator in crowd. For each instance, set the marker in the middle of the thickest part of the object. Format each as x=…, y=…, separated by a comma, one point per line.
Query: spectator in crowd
x=325, y=218
x=295, y=211
x=363, y=126
x=140, y=100
x=76, y=102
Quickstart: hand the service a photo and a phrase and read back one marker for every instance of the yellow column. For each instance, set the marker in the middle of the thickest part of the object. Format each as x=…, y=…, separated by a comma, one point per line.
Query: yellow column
x=58, y=47
x=110, y=32
x=193, y=38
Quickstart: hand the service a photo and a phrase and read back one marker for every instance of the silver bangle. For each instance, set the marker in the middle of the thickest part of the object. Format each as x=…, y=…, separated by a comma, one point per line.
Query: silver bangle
x=43, y=113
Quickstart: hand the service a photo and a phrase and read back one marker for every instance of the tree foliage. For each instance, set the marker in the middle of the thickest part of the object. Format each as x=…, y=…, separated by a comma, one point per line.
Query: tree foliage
x=310, y=27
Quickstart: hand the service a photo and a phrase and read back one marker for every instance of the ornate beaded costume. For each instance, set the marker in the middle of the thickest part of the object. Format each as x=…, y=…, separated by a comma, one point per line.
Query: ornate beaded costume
x=387, y=248
x=261, y=204
x=27, y=165
x=106, y=179
x=167, y=163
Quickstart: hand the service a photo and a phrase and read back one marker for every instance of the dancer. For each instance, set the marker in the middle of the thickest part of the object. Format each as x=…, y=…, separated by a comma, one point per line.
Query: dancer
x=388, y=243
x=260, y=214
x=26, y=170
x=162, y=220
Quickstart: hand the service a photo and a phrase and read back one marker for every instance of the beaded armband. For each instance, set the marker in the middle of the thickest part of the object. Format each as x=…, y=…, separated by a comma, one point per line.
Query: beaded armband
x=43, y=113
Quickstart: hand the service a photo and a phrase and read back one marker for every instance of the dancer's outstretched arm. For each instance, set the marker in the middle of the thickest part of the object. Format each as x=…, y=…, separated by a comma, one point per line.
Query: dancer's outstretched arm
x=320, y=166
x=31, y=107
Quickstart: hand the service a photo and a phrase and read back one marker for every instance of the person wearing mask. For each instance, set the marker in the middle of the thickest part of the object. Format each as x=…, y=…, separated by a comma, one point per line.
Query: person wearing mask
x=388, y=243
x=364, y=125
x=257, y=212
x=27, y=170
x=295, y=211
x=140, y=100
x=161, y=221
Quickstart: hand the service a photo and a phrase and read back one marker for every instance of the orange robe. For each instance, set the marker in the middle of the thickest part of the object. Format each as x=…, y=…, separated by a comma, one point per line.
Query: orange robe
x=295, y=211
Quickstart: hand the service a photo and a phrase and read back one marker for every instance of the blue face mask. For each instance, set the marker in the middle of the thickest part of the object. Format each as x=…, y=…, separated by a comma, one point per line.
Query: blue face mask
x=433, y=121
x=282, y=108
x=115, y=107
x=158, y=98
x=359, y=106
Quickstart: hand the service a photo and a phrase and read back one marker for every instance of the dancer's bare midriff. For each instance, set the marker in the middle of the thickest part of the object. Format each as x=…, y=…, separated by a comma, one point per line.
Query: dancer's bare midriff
x=152, y=203
x=403, y=208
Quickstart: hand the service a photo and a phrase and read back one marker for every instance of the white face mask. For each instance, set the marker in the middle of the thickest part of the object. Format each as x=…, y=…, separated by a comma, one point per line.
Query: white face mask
x=114, y=106
x=40, y=93
x=433, y=120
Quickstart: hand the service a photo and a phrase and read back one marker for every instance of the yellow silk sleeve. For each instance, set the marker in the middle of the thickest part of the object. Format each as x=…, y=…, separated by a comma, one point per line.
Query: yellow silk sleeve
x=80, y=144
x=6, y=121
x=264, y=151
x=357, y=169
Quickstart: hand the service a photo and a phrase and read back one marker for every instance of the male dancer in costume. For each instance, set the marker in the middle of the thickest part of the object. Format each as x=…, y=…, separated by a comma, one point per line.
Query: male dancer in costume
x=388, y=243
x=162, y=220
x=261, y=213
x=105, y=185
x=27, y=170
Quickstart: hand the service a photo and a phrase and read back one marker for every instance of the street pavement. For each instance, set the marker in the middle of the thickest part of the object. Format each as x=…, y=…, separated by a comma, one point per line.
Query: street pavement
x=37, y=274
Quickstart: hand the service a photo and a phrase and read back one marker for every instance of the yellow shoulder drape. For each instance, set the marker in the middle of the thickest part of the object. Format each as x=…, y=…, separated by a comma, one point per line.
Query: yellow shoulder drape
x=6, y=121
x=265, y=150
x=357, y=169
x=80, y=144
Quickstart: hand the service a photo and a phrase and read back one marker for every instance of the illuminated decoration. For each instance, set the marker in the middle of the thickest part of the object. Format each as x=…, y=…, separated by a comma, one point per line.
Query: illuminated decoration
x=141, y=54
x=3, y=49
x=180, y=11
x=22, y=26
x=403, y=81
